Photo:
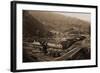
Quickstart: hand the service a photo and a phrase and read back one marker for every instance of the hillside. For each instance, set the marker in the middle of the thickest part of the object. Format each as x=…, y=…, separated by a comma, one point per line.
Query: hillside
x=38, y=24
x=59, y=22
x=32, y=28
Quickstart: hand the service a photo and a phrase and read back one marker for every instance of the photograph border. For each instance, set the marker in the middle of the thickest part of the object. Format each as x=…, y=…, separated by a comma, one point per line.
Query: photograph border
x=14, y=31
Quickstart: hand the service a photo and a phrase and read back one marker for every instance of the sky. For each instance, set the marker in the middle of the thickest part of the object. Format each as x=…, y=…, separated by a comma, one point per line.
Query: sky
x=82, y=16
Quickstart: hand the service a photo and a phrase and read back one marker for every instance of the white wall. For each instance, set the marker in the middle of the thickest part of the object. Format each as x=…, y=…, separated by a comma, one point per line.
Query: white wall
x=5, y=36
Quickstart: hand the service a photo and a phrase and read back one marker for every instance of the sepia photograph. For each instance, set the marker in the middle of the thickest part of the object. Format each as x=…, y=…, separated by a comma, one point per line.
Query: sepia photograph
x=49, y=36
x=56, y=36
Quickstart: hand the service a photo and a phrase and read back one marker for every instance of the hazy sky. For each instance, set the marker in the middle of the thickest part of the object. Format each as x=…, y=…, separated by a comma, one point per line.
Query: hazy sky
x=82, y=16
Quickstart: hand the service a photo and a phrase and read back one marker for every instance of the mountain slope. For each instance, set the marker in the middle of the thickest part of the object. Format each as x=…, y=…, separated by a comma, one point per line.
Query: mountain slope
x=33, y=28
x=60, y=22
x=37, y=24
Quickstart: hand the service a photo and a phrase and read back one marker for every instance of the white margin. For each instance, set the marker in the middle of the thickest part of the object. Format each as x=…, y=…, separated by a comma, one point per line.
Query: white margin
x=36, y=65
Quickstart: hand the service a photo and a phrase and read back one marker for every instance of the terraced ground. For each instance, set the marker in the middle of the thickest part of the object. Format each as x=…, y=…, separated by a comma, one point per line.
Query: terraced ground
x=33, y=52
